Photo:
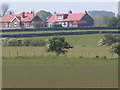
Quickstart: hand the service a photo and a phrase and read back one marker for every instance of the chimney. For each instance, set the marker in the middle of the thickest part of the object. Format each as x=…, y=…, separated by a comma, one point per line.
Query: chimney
x=70, y=12
x=32, y=12
x=10, y=12
x=54, y=12
x=23, y=15
x=86, y=12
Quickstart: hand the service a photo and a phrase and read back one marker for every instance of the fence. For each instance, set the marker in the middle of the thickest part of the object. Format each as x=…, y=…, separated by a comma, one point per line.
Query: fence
x=56, y=29
x=59, y=33
x=75, y=52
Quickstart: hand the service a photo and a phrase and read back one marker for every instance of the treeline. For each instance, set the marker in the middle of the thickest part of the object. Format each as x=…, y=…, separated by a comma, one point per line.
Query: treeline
x=105, y=18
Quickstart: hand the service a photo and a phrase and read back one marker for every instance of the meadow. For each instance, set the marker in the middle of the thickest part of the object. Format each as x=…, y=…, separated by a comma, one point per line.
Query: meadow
x=85, y=45
x=59, y=72
x=33, y=67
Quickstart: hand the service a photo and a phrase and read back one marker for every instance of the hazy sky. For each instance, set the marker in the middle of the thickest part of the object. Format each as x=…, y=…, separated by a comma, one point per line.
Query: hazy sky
x=60, y=0
x=62, y=7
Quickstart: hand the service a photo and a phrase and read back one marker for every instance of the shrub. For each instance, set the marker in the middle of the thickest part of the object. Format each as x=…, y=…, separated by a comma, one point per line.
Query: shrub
x=20, y=42
x=115, y=48
x=27, y=42
x=108, y=40
x=15, y=42
x=35, y=42
x=58, y=45
x=4, y=41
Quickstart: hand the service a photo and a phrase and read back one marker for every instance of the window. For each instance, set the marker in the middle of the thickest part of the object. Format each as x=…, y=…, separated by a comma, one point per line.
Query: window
x=7, y=24
x=15, y=23
x=26, y=24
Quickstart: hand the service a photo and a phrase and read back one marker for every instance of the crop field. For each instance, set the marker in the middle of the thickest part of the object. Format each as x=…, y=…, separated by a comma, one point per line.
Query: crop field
x=59, y=72
x=33, y=67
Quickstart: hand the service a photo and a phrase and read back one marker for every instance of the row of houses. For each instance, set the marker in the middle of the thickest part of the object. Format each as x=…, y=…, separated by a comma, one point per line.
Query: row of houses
x=28, y=20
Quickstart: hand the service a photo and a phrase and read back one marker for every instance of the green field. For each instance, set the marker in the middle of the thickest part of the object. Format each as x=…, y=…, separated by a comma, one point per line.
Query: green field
x=59, y=72
x=77, y=51
x=33, y=67
x=43, y=31
x=87, y=45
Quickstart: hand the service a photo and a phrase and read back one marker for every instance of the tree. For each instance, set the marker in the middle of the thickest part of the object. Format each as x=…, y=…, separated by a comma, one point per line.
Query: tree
x=44, y=14
x=3, y=9
x=118, y=24
x=97, y=12
x=58, y=45
x=112, y=22
x=101, y=18
x=115, y=48
x=108, y=40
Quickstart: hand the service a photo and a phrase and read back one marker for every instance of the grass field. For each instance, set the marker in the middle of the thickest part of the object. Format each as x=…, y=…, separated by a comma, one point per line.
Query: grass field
x=86, y=45
x=32, y=67
x=36, y=32
x=77, y=40
x=41, y=51
x=59, y=72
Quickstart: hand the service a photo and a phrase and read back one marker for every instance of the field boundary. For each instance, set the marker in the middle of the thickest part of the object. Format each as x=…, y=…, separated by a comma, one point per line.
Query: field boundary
x=59, y=33
x=56, y=29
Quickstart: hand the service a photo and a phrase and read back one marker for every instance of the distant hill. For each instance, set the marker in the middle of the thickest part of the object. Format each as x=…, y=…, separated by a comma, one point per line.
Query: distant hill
x=96, y=12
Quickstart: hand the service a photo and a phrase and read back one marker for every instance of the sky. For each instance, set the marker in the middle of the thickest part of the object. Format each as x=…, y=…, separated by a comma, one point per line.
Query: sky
x=60, y=0
x=62, y=6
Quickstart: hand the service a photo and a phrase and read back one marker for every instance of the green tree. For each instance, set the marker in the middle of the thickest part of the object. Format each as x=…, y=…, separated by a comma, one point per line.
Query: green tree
x=118, y=24
x=112, y=22
x=101, y=18
x=58, y=45
x=97, y=12
x=115, y=48
x=44, y=14
x=108, y=40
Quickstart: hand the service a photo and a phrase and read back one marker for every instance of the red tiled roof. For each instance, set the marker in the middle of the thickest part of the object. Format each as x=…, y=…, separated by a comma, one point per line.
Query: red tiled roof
x=9, y=17
x=28, y=16
x=71, y=17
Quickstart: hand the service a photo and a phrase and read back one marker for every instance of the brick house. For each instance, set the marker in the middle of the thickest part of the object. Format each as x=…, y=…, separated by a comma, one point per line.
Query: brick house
x=22, y=20
x=71, y=20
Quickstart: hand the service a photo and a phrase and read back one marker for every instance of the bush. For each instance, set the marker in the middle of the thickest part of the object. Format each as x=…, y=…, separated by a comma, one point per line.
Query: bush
x=37, y=42
x=58, y=45
x=115, y=48
x=15, y=42
x=108, y=40
x=20, y=42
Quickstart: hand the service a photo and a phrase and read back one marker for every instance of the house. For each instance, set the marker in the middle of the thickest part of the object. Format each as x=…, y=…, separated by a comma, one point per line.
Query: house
x=22, y=20
x=70, y=20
